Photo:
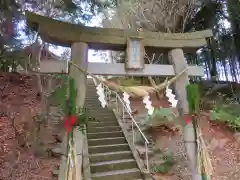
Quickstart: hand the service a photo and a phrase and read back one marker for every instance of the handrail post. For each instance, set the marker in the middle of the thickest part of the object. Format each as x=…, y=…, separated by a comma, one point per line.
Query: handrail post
x=123, y=115
x=116, y=103
x=104, y=93
x=133, y=134
x=146, y=156
x=109, y=94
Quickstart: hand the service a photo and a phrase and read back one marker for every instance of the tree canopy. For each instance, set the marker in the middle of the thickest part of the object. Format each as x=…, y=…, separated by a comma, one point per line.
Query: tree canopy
x=220, y=57
x=14, y=34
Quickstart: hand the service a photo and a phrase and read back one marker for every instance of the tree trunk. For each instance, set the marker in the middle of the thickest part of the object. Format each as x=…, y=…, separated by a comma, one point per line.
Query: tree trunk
x=233, y=11
x=39, y=120
x=213, y=67
x=225, y=69
x=233, y=73
x=207, y=70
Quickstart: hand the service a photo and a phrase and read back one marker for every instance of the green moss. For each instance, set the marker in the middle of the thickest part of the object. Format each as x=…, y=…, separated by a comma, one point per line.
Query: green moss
x=167, y=165
x=228, y=114
x=193, y=96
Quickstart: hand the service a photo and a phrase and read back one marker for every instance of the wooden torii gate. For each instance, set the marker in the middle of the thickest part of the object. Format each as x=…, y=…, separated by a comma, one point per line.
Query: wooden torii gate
x=81, y=38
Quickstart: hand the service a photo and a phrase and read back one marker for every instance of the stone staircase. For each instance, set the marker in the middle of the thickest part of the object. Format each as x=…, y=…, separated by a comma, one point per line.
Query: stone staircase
x=110, y=156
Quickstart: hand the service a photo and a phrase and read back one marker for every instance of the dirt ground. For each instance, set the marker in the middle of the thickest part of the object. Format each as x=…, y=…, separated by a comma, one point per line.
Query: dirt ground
x=17, y=162
x=224, y=148
x=223, y=145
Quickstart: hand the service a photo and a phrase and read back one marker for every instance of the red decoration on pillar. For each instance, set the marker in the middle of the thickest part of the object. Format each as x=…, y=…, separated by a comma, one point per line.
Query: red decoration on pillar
x=69, y=122
x=188, y=118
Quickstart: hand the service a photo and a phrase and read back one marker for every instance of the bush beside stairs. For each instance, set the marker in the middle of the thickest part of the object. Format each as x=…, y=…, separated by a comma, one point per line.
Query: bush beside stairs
x=110, y=156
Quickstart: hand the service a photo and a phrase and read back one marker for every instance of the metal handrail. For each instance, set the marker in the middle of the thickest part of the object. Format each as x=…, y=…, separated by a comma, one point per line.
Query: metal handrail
x=134, y=123
x=132, y=118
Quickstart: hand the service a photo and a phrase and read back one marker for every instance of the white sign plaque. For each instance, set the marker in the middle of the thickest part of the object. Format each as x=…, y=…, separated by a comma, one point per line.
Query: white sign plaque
x=135, y=54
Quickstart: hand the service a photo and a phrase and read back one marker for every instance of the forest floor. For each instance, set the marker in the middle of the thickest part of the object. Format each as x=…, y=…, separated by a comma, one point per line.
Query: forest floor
x=17, y=162
x=223, y=146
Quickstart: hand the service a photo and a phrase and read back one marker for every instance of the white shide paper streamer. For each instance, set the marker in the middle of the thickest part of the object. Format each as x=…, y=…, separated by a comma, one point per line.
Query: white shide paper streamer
x=126, y=100
x=101, y=98
x=171, y=97
x=148, y=105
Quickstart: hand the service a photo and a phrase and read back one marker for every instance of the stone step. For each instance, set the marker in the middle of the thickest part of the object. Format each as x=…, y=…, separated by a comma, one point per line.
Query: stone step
x=102, y=124
x=128, y=174
x=103, y=129
x=113, y=165
x=92, y=90
x=103, y=116
x=55, y=173
x=104, y=135
x=110, y=156
x=56, y=151
x=108, y=148
x=104, y=120
x=95, y=106
x=106, y=141
x=93, y=98
x=94, y=103
x=101, y=110
x=98, y=104
x=92, y=94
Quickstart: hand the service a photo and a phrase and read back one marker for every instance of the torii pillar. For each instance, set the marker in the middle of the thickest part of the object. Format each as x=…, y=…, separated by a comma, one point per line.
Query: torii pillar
x=79, y=56
x=176, y=57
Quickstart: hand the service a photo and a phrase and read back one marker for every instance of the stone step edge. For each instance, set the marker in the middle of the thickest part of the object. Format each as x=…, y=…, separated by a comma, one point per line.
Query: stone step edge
x=116, y=172
x=110, y=153
x=93, y=128
x=109, y=145
x=104, y=132
x=113, y=162
x=102, y=139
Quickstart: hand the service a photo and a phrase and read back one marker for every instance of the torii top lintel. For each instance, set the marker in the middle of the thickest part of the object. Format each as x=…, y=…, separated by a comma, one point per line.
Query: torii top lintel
x=65, y=34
